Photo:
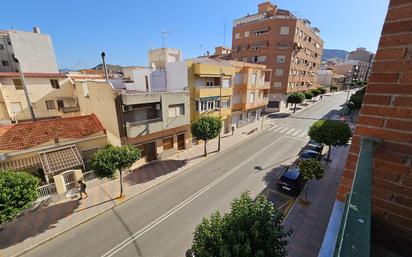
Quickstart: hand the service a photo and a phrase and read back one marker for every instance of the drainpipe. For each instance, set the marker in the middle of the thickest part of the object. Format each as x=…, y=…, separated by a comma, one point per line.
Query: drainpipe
x=26, y=93
x=104, y=66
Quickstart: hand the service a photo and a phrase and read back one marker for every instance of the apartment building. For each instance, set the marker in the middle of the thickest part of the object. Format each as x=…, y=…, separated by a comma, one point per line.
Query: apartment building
x=251, y=85
x=51, y=95
x=160, y=57
x=288, y=45
x=360, y=54
x=373, y=207
x=147, y=110
x=327, y=76
x=33, y=50
x=210, y=84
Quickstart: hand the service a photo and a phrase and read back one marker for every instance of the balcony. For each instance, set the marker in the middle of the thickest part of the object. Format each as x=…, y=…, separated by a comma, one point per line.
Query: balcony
x=143, y=127
x=201, y=92
x=68, y=109
x=250, y=106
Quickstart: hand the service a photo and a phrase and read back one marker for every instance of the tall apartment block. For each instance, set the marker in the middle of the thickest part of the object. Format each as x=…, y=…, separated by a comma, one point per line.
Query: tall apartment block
x=33, y=50
x=284, y=43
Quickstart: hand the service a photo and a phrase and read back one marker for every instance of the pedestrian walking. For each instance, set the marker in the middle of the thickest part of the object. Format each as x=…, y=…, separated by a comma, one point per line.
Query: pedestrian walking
x=233, y=129
x=82, y=189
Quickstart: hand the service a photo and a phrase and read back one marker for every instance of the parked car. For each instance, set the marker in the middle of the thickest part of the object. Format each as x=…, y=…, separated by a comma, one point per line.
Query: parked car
x=291, y=180
x=314, y=146
x=308, y=154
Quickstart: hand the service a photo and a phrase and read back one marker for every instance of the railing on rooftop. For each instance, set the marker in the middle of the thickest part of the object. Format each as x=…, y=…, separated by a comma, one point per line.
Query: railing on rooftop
x=354, y=234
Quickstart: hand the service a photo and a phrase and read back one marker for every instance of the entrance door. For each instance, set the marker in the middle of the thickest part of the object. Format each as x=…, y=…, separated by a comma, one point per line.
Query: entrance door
x=181, y=142
x=150, y=150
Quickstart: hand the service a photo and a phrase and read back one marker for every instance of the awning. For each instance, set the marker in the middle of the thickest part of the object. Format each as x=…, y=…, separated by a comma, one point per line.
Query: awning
x=60, y=159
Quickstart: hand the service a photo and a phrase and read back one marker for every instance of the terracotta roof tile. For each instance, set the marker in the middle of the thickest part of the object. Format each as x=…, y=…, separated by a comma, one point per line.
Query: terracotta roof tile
x=29, y=134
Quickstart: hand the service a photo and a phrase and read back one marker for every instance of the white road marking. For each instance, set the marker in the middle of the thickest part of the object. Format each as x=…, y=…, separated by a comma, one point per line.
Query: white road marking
x=283, y=130
x=272, y=128
x=291, y=131
x=296, y=132
x=303, y=134
x=277, y=129
x=172, y=211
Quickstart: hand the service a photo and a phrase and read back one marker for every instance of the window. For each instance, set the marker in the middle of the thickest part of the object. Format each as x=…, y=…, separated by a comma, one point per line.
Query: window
x=246, y=34
x=237, y=35
x=279, y=72
x=225, y=103
x=244, y=59
x=252, y=78
x=5, y=63
x=210, y=105
x=256, y=59
x=1, y=47
x=176, y=110
x=238, y=79
x=226, y=83
x=16, y=107
x=251, y=97
x=55, y=83
x=284, y=30
x=280, y=59
x=17, y=84
x=203, y=106
x=167, y=143
x=273, y=104
x=8, y=41
x=277, y=84
x=210, y=82
x=261, y=32
x=50, y=105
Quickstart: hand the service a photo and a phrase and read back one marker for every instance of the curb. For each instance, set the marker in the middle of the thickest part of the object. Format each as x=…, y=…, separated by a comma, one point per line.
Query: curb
x=33, y=246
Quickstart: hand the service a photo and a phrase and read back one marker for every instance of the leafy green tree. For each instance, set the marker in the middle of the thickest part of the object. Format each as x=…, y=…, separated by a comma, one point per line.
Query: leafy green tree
x=315, y=92
x=18, y=190
x=111, y=159
x=311, y=169
x=295, y=98
x=356, y=100
x=322, y=90
x=333, y=88
x=206, y=128
x=308, y=95
x=330, y=133
x=250, y=229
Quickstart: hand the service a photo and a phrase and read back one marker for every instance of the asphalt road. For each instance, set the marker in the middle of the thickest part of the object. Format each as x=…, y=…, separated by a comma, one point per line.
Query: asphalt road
x=161, y=221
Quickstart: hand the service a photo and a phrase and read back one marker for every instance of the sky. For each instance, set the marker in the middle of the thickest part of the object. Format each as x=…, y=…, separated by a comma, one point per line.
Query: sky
x=127, y=29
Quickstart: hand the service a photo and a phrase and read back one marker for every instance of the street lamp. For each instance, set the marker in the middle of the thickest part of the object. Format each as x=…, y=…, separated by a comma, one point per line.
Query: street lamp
x=220, y=107
x=26, y=93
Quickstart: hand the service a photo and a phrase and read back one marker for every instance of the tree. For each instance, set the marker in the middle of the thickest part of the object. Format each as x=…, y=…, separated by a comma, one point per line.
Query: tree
x=111, y=159
x=250, y=229
x=322, y=90
x=315, y=92
x=206, y=128
x=295, y=98
x=356, y=100
x=18, y=190
x=311, y=169
x=333, y=88
x=330, y=133
x=308, y=95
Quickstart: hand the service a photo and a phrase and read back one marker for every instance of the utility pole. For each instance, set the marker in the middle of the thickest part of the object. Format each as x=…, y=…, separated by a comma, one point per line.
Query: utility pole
x=26, y=93
x=220, y=107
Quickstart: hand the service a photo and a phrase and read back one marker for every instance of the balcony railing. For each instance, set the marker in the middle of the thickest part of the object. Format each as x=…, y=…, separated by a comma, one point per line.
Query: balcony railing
x=142, y=122
x=354, y=234
x=70, y=109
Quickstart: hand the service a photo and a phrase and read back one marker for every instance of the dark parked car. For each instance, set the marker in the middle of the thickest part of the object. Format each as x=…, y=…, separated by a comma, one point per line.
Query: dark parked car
x=291, y=180
x=309, y=154
x=314, y=146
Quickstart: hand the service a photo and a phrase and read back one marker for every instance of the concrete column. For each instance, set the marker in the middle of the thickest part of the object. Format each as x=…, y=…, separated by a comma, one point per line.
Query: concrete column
x=188, y=140
x=175, y=141
x=78, y=175
x=60, y=185
x=159, y=146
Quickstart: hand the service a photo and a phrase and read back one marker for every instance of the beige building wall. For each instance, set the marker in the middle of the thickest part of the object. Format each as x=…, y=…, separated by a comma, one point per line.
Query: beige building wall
x=98, y=97
x=40, y=90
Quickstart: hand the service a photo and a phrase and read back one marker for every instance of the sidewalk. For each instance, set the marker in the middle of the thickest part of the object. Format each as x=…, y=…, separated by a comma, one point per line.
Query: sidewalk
x=309, y=222
x=41, y=225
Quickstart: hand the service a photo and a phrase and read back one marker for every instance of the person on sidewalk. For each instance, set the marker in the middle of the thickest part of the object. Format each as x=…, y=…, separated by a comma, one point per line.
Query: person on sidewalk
x=82, y=189
x=233, y=129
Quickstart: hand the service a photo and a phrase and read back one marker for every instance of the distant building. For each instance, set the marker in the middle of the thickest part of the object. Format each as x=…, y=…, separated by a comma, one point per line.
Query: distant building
x=159, y=57
x=328, y=77
x=353, y=70
x=360, y=54
x=33, y=50
x=288, y=45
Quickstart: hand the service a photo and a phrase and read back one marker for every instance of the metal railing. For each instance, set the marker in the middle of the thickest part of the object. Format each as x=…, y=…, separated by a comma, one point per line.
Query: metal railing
x=46, y=190
x=89, y=175
x=142, y=122
x=354, y=234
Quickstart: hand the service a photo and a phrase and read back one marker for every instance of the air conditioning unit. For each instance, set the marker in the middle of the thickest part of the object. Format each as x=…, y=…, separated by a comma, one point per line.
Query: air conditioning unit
x=127, y=108
x=3, y=157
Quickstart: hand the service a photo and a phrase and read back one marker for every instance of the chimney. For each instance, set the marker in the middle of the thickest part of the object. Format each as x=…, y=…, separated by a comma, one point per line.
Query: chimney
x=36, y=30
x=104, y=66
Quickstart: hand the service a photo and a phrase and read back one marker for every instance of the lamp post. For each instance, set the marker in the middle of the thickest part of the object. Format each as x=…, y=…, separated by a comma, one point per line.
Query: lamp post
x=26, y=93
x=220, y=107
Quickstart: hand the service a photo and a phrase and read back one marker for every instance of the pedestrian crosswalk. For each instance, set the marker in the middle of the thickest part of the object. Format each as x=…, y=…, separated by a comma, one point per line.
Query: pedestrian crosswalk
x=289, y=130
